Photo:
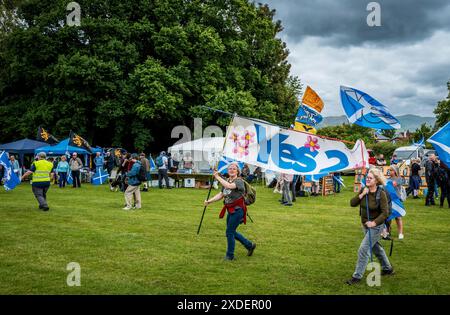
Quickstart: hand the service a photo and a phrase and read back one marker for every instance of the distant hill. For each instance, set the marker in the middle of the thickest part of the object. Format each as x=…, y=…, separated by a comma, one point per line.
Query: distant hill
x=408, y=122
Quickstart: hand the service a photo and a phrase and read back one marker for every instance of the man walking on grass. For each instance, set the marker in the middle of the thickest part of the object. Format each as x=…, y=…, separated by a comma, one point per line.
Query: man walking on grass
x=41, y=170
x=133, y=185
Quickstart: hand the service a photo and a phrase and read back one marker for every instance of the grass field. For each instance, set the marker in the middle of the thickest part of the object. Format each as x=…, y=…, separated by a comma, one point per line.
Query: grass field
x=309, y=248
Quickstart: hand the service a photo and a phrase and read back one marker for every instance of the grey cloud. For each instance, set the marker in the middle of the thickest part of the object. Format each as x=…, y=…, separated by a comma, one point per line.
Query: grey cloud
x=343, y=22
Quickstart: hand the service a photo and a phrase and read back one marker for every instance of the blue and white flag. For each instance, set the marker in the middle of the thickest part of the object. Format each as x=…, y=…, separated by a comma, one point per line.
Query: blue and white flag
x=100, y=177
x=441, y=143
x=69, y=178
x=288, y=151
x=421, y=143
x=398, y=209
x=308, y=116
x=224, y=162
x=9, y=177
x=339, y=180
x=363, y=110
x=152, y=164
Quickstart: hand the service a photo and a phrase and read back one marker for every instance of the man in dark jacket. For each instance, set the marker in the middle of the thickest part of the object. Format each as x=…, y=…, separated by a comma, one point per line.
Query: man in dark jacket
x=431, y=170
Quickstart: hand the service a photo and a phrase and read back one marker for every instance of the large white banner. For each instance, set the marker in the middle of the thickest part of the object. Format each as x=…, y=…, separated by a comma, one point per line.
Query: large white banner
x=290, y=151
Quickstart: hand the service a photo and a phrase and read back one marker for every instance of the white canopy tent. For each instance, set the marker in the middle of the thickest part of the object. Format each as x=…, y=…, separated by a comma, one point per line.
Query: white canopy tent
x=205, y=152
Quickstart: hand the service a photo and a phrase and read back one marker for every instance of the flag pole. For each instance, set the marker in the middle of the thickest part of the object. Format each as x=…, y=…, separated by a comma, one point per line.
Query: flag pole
x=363, y=169
x=217, y=163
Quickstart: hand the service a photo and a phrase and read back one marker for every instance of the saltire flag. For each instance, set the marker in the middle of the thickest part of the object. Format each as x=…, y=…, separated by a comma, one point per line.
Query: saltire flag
x=363, y=110
x=100, y=177
x=224, y=161
x=11, y=180
x=339, y=180
x=420, y=143
x=441, y=143
x=152, y=164
x=77, y=141
x=45, y=136
x=398, y=209
x=69, y=178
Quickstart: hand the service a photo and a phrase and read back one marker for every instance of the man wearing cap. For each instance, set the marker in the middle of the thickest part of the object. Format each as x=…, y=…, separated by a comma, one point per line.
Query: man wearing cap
x=133, y=184
x=41, y=169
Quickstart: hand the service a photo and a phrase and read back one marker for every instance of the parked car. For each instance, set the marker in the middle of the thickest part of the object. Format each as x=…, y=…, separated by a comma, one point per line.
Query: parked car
x=408, y=153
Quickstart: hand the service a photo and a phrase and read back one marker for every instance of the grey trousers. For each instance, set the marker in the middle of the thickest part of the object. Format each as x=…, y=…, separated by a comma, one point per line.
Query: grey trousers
x=377, y=249
x=41, y=195
x=286, y=192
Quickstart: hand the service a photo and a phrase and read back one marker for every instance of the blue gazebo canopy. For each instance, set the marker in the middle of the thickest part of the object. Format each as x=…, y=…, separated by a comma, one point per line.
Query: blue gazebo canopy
x=63, y=146
x=24, y=146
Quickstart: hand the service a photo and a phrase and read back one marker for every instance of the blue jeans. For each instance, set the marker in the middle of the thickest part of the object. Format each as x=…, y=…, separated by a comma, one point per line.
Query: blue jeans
x=377, y=249
x=233, y=221
x=62, y=179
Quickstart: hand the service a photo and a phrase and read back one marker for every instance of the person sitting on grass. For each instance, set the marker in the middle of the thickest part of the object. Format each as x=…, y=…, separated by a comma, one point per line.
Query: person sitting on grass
x=372, y=225
x=233, y=194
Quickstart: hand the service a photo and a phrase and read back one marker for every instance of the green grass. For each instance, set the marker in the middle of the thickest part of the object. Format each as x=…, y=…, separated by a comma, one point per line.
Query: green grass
x=309, y=248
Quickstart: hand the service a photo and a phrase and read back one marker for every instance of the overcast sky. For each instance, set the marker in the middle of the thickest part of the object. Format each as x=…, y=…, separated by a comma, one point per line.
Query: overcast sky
x=404, y=63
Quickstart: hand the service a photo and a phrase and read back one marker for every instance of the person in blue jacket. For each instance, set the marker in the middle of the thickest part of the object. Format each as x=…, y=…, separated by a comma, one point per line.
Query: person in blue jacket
x=98, y=162
x=133, y=185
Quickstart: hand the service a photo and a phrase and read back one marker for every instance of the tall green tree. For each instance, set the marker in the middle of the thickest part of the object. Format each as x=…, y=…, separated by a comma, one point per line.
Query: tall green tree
x=442, y=110
x=134, y=69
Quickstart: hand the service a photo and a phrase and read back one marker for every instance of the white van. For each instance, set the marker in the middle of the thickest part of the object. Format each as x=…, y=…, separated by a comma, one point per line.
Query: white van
x=408, y=153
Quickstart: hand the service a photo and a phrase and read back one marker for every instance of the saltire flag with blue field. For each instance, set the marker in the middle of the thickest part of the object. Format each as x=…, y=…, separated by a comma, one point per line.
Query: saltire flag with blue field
x=363, y=110
x=9, y=177
x=441, y=143
x=152, y=164
x=224, y=161
x=420, y=143
x=398, y=209
x=69, y=178
x=100, y=177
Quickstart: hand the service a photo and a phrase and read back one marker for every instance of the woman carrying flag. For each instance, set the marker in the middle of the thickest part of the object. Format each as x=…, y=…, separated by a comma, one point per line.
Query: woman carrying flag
x=373, y=216
x=233, y=191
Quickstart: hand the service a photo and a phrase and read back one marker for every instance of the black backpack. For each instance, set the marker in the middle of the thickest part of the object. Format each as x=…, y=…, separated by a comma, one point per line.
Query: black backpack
x=142, y=175
x=380, y=188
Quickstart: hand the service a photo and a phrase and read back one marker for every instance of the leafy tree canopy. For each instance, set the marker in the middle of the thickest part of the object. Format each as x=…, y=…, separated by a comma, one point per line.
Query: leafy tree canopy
x=134, y=69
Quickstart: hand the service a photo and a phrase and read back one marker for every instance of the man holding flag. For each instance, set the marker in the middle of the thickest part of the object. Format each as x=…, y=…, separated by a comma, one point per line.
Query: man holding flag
x=41, y=170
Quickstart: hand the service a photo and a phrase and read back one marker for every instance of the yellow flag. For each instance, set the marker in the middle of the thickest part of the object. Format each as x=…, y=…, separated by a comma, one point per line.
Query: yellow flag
x=305, y=128
x=311, y=99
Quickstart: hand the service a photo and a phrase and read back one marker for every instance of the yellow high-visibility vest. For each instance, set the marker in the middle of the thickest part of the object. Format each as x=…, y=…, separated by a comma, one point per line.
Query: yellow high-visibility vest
x=42, y=172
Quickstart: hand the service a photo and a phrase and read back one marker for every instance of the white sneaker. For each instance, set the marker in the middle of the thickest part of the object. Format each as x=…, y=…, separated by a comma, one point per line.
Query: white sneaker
x=126, y=208
x=400, y=236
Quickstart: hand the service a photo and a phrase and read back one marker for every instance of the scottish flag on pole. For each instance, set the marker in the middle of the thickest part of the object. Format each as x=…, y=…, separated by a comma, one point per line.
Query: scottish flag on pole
x=100, y=177
x=398, y=209
x=365, y=111
x=441, y=143
x=10, y=178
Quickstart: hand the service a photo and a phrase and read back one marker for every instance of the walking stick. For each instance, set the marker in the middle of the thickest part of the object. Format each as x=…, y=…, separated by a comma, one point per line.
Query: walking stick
x=204, y=209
